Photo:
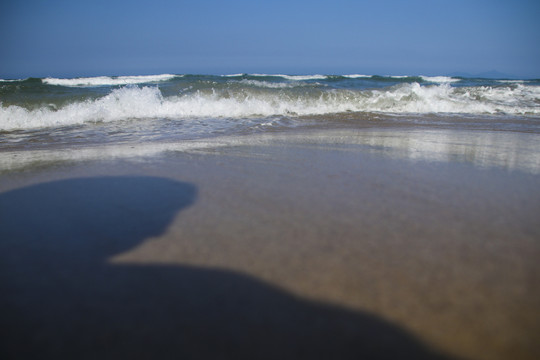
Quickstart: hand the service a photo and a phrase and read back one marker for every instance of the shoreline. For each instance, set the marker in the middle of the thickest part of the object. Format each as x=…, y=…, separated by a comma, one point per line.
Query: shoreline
x=484, y=148
x=439, y=250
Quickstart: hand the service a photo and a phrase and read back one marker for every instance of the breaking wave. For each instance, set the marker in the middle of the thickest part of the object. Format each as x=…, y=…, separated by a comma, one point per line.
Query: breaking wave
x=108, y=80
x=275, y=99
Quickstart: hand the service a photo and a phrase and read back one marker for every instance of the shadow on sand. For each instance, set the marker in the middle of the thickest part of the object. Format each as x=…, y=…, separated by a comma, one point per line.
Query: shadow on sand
x=61, y=299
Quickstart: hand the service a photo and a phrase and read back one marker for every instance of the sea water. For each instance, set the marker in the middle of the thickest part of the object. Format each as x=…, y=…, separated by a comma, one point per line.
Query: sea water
x=93, y=117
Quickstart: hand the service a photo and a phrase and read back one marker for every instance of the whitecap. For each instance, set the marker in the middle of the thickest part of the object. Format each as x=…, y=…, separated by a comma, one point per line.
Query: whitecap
x=147, y=102
x=439, y=79
x=108, y=80
x=357, y=76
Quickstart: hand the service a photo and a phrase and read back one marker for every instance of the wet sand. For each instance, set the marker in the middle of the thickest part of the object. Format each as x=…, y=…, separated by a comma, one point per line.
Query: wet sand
x=305, y=246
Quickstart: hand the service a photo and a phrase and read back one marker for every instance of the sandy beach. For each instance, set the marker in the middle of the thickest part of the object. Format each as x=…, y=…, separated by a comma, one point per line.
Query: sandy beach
x=308, y=245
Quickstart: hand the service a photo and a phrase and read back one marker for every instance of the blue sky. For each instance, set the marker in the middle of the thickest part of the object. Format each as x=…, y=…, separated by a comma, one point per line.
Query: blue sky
x=431, y=37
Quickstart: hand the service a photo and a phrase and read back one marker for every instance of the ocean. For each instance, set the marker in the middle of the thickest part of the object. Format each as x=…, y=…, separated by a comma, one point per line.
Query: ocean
x=55, y=119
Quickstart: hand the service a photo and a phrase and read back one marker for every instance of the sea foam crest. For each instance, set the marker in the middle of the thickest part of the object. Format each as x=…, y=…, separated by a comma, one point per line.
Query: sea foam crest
x=303, y=77
x=108, y=81
x=133, y=102
x=357, y=76
x=286, y=77
x=123, y=103
x=275, y=85
x=439, y=79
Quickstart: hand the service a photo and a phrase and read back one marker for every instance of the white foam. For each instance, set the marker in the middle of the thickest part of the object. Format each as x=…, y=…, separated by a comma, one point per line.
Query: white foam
x=293, y=77
x=272, y=85
x=512, y=81
x=123, y=103
x=439, y=79
x=108, y=81
x=303, y=77
x=147, y=102
x=357, y=76
x=413, y=98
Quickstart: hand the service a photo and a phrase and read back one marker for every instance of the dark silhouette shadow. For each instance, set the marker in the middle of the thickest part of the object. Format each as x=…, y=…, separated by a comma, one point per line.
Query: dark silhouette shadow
x=60, y=299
